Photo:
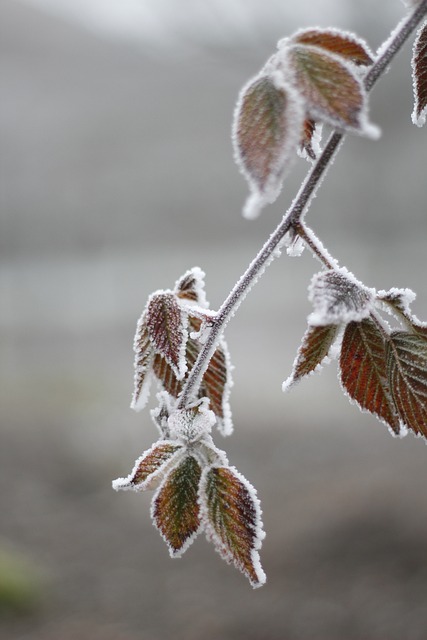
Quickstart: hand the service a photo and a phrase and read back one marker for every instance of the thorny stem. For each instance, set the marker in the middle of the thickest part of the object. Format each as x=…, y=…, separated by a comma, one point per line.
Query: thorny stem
x=293, y=216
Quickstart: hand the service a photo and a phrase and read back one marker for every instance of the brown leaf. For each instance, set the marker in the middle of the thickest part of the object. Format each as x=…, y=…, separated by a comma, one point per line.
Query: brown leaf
x=150, y=467
x=166, y=324
x=407, y=372
x=144, y=353
x=330, y=88
x=232, y=518
x=315, y=347
x=266, y=131
x=363, y=371
x=419, y=77
x=175, y=507
x=337, y=42
x=191, y=286
x=306, y=142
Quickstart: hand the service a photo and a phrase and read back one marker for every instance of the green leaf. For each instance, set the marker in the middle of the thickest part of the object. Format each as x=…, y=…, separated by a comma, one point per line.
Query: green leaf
x=150, y=468
x=167, y=330
x=315, y=347
x=232, y=518
x=363, y=371
x=340, y=43
x=419, y=76
x=407, y=373
x=175, y=507
x=331, y=89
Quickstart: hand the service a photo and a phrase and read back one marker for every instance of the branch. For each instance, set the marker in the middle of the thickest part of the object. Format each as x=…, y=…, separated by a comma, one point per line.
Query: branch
x=294, y=215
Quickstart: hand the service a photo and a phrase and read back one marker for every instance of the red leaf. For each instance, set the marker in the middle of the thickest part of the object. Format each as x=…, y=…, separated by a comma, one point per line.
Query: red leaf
x=267, y=126
x=419, y=76
x=407, y=372
x=232, y=518
x=167, y=330
x=363, y=371
x=150, y=467
x=331, y=89
x=315, y=347
x=175, y=507
x=345, y=45
x=144, y=353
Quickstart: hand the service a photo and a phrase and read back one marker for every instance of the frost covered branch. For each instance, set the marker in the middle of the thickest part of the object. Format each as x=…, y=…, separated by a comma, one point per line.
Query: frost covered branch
x=316, y=77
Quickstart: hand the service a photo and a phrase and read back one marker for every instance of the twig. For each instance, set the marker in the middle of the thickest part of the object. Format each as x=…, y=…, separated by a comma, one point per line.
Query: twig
x=295, y=213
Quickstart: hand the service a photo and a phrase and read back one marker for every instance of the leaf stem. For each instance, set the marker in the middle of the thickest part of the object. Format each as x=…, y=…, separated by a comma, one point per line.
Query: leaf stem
x=316, y=247
x=294, y=215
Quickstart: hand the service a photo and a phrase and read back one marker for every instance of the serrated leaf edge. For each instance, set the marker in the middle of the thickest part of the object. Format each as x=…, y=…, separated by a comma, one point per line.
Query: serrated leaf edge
x=189, y=541
x=212, y=536
x=125, y=484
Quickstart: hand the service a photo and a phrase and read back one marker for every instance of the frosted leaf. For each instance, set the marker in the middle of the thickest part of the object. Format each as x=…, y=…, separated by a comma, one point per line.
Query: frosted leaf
x=216, y=385
x=341, y=43
x=407, y=374
x=216, y=381
x=363, y=371
x=338, y=298
x=296, y=247
x=309, y=147
x=191, y=424
x=419, y=76
x=399, y=301
x=151, y=467
x=266, y=130
x=144, y=354
x=175, y=507
x=231, y=514
x=191, y=286
x=167, y=330
x=162, y=412
x=313, y=352
x=331, y=87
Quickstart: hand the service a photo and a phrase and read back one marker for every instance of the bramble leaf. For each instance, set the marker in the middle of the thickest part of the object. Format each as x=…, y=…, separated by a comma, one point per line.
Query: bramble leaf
x=363, y=371
x=175, y=507
x=191, y=286
x=150, y=467
x=407, y=372
x=315, y=347
x=419, y=76
x=167, y=330
x=306, y=142
x=341, y=43
x=216, y=382
x=266, y=131
x=399, y=300
x=338, y=298
x=144, y=353
x=232, y=518
x=330, y=87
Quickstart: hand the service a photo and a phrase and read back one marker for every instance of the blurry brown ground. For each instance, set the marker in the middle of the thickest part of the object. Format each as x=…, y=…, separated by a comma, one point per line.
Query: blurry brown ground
x=116, y=176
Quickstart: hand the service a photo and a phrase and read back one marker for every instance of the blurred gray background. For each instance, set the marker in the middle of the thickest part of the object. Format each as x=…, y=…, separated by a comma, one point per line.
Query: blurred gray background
x=116, y=176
